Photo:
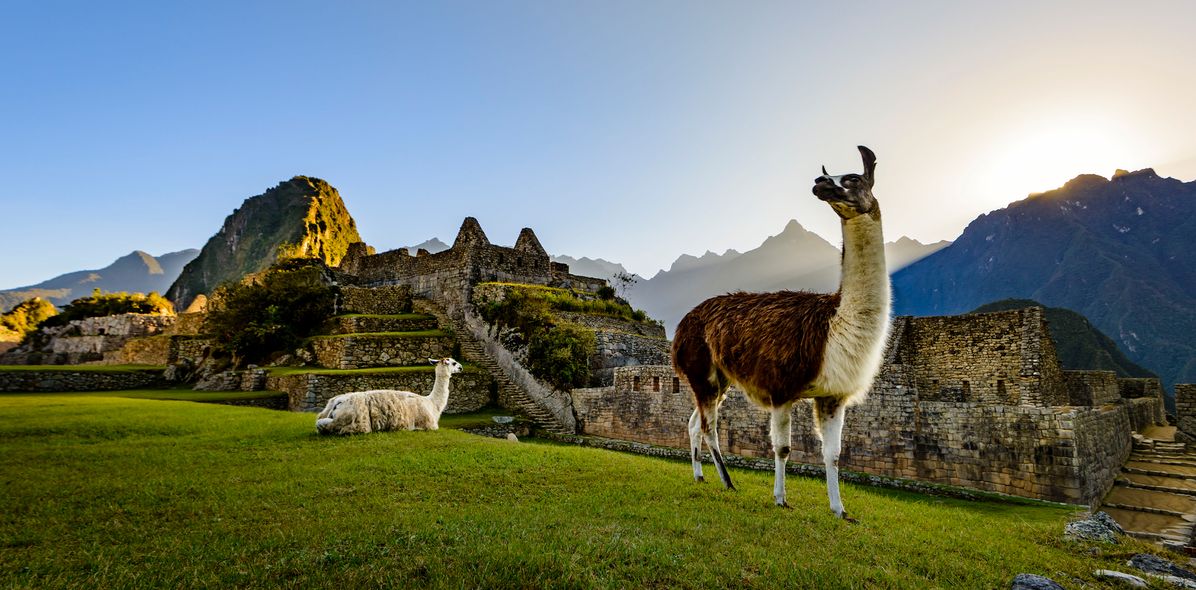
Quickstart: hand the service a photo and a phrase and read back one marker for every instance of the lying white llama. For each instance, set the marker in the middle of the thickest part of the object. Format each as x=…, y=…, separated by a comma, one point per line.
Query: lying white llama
x=387, y=409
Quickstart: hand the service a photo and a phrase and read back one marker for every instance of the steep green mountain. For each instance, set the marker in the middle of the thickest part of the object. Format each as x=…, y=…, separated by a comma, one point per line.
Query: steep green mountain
x=136, y=272
x=1079, y=344
x=303, y=217
x=1120, y=251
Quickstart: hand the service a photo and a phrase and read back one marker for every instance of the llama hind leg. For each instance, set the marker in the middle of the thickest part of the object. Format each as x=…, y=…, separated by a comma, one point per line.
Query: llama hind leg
x=830, y=414
x=710, y=434
x=779, y=429
x=695, y=445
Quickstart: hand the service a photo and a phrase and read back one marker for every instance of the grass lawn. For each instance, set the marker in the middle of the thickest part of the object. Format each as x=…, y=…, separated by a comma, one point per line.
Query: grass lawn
x=103, y=491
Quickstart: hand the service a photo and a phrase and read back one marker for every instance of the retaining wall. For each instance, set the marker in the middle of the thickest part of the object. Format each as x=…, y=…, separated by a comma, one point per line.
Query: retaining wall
x=308, y=392
x=1065, y=454
x=55, y=380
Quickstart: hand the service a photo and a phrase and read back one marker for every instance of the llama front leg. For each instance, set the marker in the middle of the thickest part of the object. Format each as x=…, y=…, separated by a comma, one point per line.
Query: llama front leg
x=779, y=428
x=830, y=413
x=695, y=445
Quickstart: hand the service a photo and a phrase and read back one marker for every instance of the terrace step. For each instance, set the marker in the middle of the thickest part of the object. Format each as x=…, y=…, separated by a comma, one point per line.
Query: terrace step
x=360, y=323
x=1154, y=497
x=382, y=349
x=474, y=352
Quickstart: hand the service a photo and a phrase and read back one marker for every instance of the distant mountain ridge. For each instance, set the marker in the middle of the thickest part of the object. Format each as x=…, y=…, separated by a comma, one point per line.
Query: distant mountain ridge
x=301, y=217
x=1120, y=251
x=794, y=259
x=136, y=272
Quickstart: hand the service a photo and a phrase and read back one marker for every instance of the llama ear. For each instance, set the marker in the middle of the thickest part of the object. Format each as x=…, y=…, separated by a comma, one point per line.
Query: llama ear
x=824, y=172
x=869, y=163
x=434, y=361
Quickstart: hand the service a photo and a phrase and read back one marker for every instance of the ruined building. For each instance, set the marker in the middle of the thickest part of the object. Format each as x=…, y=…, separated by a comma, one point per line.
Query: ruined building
x=976, y=401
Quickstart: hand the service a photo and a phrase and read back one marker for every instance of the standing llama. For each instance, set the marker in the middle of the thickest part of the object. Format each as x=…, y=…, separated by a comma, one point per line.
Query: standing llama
x=790, y=345
x=387, y=409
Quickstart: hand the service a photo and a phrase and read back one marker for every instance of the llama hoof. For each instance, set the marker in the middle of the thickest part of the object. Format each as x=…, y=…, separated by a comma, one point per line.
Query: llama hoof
x=848, y=519
x=785, y=505
x=699, y=479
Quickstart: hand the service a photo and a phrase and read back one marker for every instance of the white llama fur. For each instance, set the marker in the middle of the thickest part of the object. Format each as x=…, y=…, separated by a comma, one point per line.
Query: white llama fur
x=378, y=410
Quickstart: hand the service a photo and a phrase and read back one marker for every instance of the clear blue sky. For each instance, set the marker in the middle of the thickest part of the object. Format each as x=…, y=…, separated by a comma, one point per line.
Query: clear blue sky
x=633, y=131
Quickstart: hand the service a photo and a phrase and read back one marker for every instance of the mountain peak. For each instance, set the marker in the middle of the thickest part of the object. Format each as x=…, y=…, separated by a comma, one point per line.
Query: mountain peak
x=1121, y=174
x=1085, y=181
x=303, y=217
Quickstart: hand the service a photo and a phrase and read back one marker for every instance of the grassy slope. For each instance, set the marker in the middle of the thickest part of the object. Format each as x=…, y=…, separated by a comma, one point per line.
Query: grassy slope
x=103, y=492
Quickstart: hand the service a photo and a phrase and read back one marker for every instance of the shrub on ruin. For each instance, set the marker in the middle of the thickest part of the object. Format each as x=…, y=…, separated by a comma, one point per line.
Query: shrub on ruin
x=24, y=318
x=557, y=352
x=561, y=355
x=253, y=320
x=100, y=304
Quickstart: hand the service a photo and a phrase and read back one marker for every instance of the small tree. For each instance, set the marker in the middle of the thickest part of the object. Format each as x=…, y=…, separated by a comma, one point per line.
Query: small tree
x=100, y=304
x=623, y=281
x=24, y=318
x=274, y=313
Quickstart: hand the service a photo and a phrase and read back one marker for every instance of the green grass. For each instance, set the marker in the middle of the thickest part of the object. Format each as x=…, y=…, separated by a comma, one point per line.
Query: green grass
x=418, y=334
x=84, y=368
x=108, y=492
x=177, y=394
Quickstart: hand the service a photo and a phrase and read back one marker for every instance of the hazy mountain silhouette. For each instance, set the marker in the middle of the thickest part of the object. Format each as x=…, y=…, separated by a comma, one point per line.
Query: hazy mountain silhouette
x=136, y=272
x=794, y=259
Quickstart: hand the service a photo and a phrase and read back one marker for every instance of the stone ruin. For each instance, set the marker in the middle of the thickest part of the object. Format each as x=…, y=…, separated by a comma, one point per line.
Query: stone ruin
x=977, y=401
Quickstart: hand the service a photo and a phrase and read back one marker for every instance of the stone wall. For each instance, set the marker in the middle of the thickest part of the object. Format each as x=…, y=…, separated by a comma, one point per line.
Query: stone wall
x=153, y=350
x=619, y=349
x=358, y=324
x=67, y=380
x=1144, y=387
x=385, y=300
x=361, y=351
x=1185, y=409
x=1066, y=454
x=601, y=323
x=469, y=391
x=162, y=350
x=449, y=276
x=187, y=324
x=1091, y=388
x=995, y=358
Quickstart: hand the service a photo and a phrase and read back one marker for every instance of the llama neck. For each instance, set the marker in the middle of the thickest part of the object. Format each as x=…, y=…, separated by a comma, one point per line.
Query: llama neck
x=440, y=392
x=864, y=287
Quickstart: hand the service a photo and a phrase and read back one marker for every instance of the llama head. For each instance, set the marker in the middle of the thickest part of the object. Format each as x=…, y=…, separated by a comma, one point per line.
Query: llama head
x=849, y=195
x=446, y=366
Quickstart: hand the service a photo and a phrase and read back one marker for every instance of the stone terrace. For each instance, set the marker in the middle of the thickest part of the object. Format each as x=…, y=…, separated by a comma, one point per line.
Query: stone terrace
x=1004, y=423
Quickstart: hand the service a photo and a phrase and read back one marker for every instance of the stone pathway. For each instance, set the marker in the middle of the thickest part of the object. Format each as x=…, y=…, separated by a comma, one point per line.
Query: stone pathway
x=474, y=352
x=1154, y=498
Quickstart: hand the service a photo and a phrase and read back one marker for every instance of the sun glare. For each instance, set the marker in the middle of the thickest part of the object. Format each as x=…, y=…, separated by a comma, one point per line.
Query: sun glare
x=1045, y=154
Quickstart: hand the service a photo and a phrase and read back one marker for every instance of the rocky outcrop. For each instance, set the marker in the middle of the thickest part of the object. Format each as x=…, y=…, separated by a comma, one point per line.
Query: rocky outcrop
x=303, y=217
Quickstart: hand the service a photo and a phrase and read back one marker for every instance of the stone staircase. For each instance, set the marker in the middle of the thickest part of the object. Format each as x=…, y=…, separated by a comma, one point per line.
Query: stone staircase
x=1154, y=498
x=509, y=391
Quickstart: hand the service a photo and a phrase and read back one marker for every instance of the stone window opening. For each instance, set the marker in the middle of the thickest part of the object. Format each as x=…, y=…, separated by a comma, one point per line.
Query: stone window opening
x=635, y=383
x=1001, y=388
x=656, y=384
x=676, y=385
x=967, y=390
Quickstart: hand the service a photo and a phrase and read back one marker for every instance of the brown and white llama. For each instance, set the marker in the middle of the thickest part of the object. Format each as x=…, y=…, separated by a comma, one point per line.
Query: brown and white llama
x=791, y=345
